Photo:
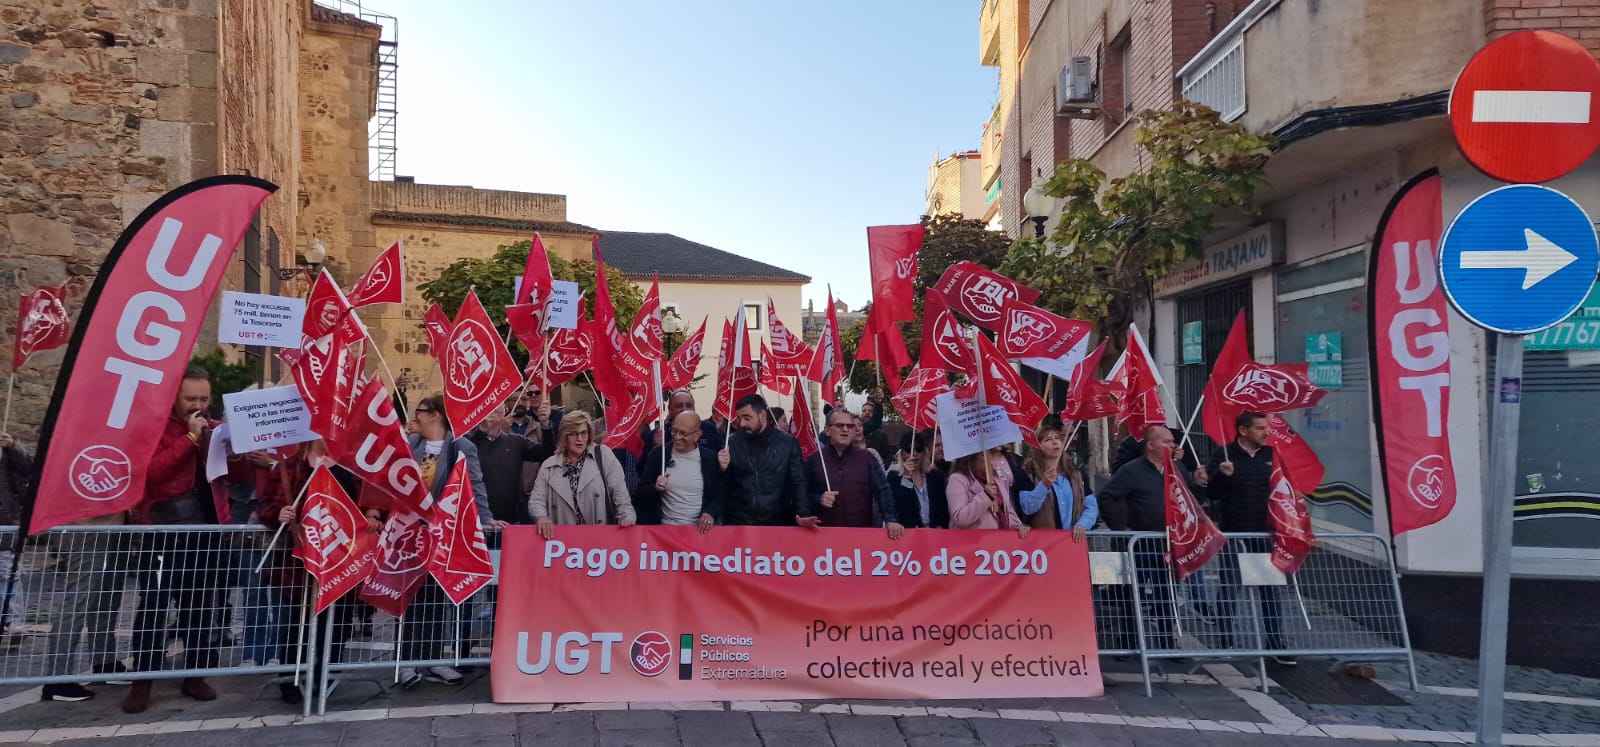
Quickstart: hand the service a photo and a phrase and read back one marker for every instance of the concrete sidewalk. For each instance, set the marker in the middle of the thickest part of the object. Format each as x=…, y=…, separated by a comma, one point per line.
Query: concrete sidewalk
x=1210, y=704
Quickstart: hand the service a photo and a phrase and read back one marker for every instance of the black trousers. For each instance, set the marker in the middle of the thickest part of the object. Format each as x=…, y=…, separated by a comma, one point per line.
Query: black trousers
x=182, y=587
x=1236, y=601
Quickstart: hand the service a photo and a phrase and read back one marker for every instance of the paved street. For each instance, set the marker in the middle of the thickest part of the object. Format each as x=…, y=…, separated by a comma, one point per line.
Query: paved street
x=1214, y=704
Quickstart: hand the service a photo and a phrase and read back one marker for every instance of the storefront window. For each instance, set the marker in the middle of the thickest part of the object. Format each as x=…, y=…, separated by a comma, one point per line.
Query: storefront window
x=1322, y=320
x=1558, y=478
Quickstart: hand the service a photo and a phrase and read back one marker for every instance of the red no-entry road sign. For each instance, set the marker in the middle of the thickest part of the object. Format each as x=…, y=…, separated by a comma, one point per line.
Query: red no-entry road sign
x=1526, y=108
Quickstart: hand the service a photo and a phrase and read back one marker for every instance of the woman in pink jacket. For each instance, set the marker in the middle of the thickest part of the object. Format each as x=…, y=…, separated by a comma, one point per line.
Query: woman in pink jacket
x=979, y=502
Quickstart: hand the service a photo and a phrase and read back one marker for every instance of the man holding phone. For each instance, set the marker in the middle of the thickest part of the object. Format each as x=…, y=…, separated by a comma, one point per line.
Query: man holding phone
x=180, y=571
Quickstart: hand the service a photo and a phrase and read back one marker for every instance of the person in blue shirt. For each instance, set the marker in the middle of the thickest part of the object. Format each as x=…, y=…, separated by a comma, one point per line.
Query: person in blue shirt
x=1057, y=499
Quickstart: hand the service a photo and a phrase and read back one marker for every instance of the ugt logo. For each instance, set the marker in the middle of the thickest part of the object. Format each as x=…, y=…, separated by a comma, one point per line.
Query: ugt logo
x=1261, y=387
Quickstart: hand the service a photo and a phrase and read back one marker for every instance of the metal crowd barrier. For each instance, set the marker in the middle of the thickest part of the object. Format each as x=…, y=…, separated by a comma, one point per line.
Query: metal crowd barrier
x=1343, y=603
x=83, y=612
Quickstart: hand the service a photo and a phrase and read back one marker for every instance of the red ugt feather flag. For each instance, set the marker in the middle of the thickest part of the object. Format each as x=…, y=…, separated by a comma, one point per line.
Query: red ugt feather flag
x=334, y=541
x=385, y=281
x=1194, y=539
x=41, y=323
x=892, y=251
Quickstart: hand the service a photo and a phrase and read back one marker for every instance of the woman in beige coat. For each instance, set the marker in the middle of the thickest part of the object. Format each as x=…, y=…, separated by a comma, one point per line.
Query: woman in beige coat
x=575, y=485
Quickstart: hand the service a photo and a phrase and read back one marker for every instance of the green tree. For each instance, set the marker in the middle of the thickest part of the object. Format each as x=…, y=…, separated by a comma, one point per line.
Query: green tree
x=949, y=239
x=226, y=378
x=1116, y=236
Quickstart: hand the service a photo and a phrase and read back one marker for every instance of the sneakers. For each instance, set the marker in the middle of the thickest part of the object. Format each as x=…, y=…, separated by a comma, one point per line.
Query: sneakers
x=113, y=668
x=442, y=675
x=409, y=678
x=70, y=692
x=1286, y=661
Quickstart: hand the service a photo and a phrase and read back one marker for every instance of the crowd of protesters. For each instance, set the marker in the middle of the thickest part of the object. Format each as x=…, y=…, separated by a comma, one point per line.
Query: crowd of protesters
x=534, y=464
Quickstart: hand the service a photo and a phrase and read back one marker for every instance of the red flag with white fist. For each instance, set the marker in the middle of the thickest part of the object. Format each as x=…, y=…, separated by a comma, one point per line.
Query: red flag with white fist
x=41, y=323
x=384, y=282
x=479, y=373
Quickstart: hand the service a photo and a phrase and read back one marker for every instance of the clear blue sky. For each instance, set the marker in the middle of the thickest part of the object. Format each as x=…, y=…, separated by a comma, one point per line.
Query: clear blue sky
x=775, y=130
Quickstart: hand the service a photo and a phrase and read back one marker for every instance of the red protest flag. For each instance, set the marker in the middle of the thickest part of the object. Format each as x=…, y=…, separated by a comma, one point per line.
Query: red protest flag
x=979, y=294
x=567, y=354
x=1088, y=397
x=943, y=344
x=645, y=335
x=605, y=342
x=686, y=359
x=1299, y=462
x=460, y=558
x=403, y=551
x=892, y=251
x=735, y=376
x=329, y=312
x=527, y=325
x=41, y=323
x=1269, y=388
x=384, y=282
x=1194, y=539
x=479, y=374
x=1215, y=414
x=827, y=361
x=1003, y=386
x=1292, y=536
x=536, y=278
x=801, y=426
x=437, y=324
x=794, y=356
x=376, y=450
x=625, y=418
x=327, y=374
x=1140, y=406
x=110, y=404
x=1041, y=340
x=770, y=378
x=334, y=541
x=915, y=400
x=885, y=346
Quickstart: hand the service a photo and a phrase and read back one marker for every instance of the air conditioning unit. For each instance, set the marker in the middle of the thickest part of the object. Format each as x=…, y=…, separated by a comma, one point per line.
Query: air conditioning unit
x=1075, y=89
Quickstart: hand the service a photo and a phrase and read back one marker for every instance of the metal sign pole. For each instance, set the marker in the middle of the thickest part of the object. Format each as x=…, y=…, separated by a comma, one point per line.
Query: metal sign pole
x=1498, y=497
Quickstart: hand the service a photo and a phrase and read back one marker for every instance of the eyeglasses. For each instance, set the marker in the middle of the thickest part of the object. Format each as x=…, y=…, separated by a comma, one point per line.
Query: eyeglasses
x=421, y=410
x=684, y=434
x=845, y=426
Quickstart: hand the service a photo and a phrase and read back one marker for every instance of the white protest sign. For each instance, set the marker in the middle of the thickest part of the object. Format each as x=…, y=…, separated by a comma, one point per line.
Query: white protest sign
x=563, y=306
x=260, y=319
x=267, y=418
x=217, y=453
x=967, y=427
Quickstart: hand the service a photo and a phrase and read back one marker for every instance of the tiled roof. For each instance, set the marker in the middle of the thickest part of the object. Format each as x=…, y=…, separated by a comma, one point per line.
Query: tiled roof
x=469, y=220
x=639, y=255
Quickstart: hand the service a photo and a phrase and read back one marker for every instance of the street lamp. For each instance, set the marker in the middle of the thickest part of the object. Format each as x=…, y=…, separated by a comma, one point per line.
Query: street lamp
x=1038, y=203
x=309, y=259
x=671, y=324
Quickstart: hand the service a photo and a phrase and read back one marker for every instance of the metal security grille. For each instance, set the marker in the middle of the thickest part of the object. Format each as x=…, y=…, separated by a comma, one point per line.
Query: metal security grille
x=1215, y=309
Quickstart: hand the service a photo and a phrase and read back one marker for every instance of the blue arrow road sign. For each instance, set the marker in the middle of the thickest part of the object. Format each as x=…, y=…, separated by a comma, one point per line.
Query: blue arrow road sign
x=1519, y=259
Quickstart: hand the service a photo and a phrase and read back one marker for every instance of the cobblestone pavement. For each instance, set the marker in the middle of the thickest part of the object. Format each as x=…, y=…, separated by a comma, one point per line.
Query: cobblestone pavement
x=1191, y=706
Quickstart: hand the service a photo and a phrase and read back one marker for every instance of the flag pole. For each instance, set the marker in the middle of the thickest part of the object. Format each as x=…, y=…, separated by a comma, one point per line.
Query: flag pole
x=11, y=385
x=279, y=534
x=983, y=405
x=1188, y=425
x=662, y=429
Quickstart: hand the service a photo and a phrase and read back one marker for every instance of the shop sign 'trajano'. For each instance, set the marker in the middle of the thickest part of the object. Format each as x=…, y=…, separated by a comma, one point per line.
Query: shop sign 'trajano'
x=1255, y=249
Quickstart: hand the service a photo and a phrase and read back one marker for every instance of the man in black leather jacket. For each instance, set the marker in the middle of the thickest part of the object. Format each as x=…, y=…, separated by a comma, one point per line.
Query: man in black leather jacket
x=765, y=479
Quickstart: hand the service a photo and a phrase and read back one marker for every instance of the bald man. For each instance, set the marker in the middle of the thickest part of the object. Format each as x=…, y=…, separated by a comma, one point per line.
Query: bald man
x=689, y=490
x=683, y=401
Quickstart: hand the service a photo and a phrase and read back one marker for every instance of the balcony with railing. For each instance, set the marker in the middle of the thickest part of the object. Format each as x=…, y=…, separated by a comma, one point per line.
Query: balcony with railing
x=1281, y=61
x=989, y=33
x=989, y=156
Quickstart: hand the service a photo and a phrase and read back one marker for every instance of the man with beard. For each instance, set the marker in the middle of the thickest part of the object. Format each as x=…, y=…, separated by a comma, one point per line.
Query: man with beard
x=766, y=482
x=1241, y=490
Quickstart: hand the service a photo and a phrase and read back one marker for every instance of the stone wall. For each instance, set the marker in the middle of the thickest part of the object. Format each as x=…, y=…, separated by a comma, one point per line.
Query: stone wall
x=260, y=122
x=105, y=107
x=336, y=68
